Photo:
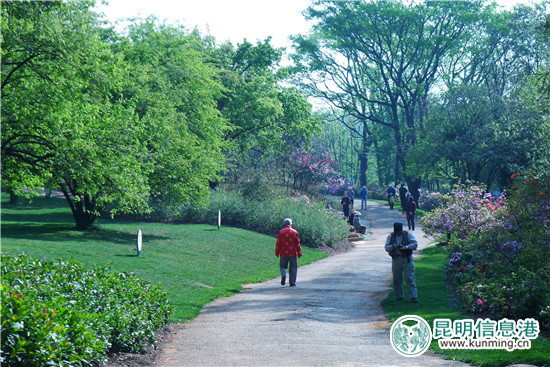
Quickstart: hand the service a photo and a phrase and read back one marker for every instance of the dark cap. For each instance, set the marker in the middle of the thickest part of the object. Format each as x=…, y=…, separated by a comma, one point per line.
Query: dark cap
x=398, y=227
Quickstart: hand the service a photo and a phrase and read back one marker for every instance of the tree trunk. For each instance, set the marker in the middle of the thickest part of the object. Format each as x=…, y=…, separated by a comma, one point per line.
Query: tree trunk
x=364, y=165
x=13, y=198
x=414, y=187
x=83, y=208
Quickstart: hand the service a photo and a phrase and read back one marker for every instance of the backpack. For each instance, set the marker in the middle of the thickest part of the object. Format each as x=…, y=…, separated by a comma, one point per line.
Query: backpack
x=395, y=253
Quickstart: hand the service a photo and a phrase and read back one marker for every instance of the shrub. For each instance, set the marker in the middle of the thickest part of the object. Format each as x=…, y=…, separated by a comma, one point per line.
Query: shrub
x=377, y=192
x=499, y=258
x=468, y=212
x=430, y=200
x=316, y=226
x=58, y=313
x=338, y=185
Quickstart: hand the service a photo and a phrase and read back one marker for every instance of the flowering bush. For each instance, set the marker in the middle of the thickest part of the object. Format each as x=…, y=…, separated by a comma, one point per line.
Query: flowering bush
x=469, y=211
x=310, y=167
x=430, y=200
x=499, y=255
x=337, y=186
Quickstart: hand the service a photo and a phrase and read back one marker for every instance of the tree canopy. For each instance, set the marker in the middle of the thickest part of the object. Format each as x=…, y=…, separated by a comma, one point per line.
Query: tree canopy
x=416, y=92
x=389, y=63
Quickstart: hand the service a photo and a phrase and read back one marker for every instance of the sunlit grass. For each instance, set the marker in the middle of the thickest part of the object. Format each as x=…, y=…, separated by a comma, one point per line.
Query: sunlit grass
x=434, y=302
x=194, y=263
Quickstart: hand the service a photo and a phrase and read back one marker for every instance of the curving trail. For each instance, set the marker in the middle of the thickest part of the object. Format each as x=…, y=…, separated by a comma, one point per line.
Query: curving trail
x=331, y=318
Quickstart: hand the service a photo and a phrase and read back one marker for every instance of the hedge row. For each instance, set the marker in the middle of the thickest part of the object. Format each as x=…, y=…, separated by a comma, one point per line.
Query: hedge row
x=59, y=313
x=317, y=227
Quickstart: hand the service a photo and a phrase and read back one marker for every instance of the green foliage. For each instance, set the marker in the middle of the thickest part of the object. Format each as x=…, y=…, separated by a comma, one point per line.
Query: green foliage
x=499, y=253
x=477, y=136
x=175, y=93
x=316, y=226
x=435, y=303
x=64, y=124
x=62, y=313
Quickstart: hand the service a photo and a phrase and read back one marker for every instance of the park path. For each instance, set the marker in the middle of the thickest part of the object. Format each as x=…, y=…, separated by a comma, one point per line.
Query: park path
x=331, y=318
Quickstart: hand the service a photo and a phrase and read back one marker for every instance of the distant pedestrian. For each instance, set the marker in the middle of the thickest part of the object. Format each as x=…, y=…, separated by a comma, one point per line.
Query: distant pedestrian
x=410, y=209
x=403, y=196
x=355, y=221
x=364, y=194
x=352, y=215
x=400, y=246
x=391, y=196
x=351, y=195
x=345, y=204
x=288, y=248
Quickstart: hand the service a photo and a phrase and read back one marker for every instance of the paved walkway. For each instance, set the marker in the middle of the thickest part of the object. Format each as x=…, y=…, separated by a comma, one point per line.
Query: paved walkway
x=331, y=318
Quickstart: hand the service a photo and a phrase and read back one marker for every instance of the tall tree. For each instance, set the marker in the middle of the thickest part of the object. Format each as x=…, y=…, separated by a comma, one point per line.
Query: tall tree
x=266, y=118
x=478, y=130
x=110, y=120
x=175, y=90
x=377, y=61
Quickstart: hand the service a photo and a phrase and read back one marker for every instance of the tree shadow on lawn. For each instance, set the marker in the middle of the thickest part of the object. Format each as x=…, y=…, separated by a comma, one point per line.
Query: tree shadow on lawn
x=68, y=233
x=51, y=217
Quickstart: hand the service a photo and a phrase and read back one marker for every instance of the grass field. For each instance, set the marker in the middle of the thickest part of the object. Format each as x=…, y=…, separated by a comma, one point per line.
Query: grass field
x=435, y=303
x=194, y=263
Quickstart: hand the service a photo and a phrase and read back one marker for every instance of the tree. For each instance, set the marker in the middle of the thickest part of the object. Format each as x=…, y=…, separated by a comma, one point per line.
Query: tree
x=60, y=122
x=37, y=50
x=479, y=129
x=377, y=61
x=464, y=142
x=266, y=119
x=111, y=121
x=175, y=92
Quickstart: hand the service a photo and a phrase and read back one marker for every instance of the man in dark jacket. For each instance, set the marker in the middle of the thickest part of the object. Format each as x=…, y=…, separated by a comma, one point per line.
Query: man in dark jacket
x=410, y=210
x=400, y=245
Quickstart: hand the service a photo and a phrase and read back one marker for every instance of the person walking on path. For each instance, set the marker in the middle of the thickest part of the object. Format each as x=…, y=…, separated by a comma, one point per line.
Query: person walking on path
x=391, y=196
x=336, y=311
x=288, y=248
x=403, y=196
x=351, y=195
x=400, y=246
x=410, y=209
x=364, y=193
x=345, y=204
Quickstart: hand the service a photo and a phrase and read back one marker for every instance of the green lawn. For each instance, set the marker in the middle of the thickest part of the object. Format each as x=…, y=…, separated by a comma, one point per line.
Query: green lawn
x=194, y=263
x=435, y=303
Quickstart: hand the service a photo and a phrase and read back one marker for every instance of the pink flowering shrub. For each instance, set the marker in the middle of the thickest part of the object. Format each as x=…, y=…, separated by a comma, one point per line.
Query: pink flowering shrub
x=499, y=253
x=430, y=200
x=468, y=211
x=337, y=185
x=310, y=168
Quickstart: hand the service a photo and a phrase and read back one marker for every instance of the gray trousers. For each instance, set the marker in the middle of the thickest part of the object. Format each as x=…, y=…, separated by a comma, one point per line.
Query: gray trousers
x=399, y=266
x=293, y=270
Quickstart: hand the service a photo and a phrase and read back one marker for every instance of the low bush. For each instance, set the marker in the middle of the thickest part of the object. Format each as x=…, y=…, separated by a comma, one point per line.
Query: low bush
x=58, y=313
x=499, y=253
x=317, y=226
x=430, y=200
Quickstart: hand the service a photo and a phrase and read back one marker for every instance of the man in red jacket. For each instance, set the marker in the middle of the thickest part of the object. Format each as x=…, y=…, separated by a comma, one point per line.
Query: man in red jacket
x=288, y=247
